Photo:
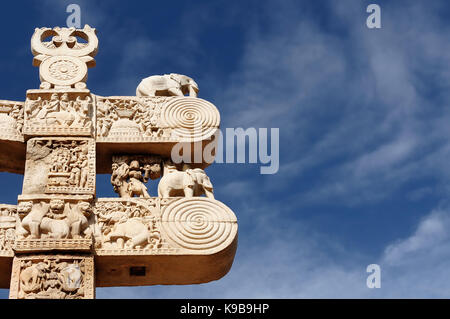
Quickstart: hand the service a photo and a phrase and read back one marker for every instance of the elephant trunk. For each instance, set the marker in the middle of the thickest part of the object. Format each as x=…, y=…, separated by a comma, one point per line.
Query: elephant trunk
x=193, y=89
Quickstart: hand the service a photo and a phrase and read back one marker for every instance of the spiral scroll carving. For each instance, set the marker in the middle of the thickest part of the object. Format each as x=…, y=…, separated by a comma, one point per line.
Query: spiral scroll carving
x=199, y=224
x=191, y=119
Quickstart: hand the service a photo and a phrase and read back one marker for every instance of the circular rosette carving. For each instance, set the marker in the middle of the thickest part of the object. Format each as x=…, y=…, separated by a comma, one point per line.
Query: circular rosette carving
x=199, y=224
x=191, y=119
x=63, y=70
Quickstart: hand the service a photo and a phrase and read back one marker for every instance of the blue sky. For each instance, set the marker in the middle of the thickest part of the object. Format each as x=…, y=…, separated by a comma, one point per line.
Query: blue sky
x=363, y=117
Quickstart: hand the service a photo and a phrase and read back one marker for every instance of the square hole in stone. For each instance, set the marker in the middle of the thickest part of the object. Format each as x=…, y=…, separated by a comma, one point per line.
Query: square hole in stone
x=137, y=271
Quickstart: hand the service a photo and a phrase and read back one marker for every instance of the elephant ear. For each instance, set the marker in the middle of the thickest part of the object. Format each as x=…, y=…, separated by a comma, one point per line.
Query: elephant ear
x=188, y=180
x=176, y=77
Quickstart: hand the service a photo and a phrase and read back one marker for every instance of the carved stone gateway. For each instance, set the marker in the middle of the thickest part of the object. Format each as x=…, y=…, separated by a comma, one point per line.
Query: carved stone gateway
x=60, y=234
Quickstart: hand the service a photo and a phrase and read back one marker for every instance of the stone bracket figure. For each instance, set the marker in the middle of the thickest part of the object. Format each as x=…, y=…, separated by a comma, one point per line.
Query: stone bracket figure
x=129, y=180
x=188, y=183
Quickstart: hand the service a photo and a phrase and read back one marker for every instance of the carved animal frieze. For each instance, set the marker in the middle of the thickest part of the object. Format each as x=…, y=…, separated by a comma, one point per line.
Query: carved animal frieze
x=127, y=225
x=133, y=226
x=130, y=118
x=8, y=221
x=53, y=223
x=11, y=120
x=52, y=277
x=59, y=114
x=172, y=226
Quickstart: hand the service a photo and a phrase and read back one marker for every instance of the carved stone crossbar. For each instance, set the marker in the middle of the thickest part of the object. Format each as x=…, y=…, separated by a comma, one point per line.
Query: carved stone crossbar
x=60, y=234
x=122, y=124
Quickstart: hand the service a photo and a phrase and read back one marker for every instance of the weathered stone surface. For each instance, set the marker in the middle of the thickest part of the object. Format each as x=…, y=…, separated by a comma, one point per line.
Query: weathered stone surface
x=53, y=277
x=54, y=113
x=60, y=166
x=63, y=61
x=54, y=222
x=11, y=120
x=11, y=137
x=8, y=221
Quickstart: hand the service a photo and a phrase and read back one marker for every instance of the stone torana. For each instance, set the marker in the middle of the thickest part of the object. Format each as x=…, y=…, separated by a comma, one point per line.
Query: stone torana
x=61, y=241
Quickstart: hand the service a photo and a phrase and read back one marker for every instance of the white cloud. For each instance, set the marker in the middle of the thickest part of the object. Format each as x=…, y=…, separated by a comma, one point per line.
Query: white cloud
x=432, y=233
x=354, y=104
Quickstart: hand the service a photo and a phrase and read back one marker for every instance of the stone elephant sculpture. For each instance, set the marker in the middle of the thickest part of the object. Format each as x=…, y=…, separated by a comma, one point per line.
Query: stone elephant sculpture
x=167, y=85
x=188, y=183
x=132, y=229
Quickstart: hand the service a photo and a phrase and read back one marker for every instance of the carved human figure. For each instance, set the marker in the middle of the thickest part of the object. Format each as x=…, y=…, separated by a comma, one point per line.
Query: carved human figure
x=84, y=111
x=48, y=107
x=188, y=183
x=32, y=107
x=64, y=103
x=65, y=115
x=75, y=110
x=136, y=184
x=167, y=85
x=84, y=169
x=128, y=180
x=119, y=178
x=80, y=111
x=17, y=114
x=106, y=115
